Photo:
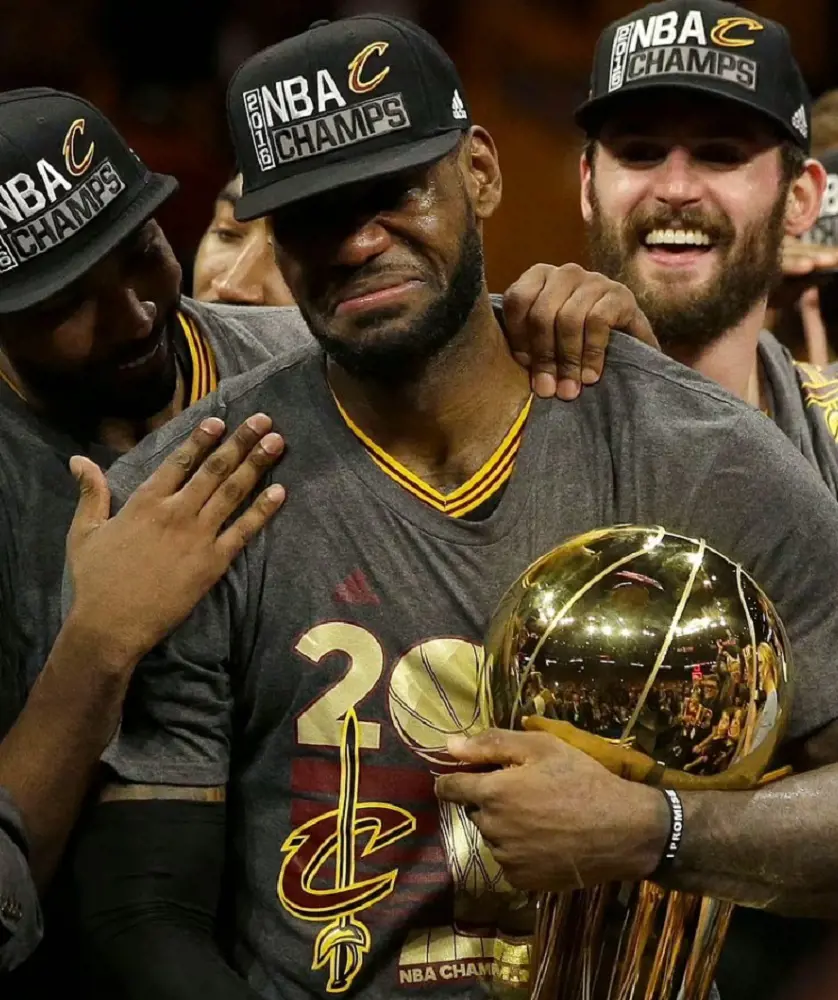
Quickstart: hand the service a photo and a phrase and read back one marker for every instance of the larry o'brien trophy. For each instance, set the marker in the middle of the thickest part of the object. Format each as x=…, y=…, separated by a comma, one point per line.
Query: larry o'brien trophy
x=665, y=661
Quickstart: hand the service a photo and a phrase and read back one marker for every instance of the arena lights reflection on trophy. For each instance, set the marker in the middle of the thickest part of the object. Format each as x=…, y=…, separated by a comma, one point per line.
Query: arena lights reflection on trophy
x=664, y=660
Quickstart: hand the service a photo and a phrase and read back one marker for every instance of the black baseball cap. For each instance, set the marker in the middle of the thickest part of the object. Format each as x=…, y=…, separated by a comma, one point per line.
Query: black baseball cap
x=70, y=191
x=346, y=101
x=703, y=46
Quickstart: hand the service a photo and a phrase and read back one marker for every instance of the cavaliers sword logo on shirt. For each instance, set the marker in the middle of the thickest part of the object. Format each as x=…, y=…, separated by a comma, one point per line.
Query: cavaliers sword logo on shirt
x=341, y=865
x=337, y=837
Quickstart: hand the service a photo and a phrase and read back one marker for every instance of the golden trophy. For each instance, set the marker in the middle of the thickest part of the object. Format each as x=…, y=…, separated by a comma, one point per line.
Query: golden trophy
x=664, y=660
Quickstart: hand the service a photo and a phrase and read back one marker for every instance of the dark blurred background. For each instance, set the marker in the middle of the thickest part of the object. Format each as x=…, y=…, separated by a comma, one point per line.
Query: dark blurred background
x=159, y=69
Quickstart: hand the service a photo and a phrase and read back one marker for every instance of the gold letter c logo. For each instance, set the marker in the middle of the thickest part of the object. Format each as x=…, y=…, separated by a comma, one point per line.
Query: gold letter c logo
x=74, y=166
x=356, y=68
x=720, y=34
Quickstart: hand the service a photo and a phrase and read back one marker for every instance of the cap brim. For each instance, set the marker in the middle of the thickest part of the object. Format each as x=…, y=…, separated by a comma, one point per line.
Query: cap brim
x=589, y=116
x=35, y=289
x=334, y=176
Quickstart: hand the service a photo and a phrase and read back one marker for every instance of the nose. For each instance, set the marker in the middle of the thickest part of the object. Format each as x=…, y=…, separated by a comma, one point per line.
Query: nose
x=242, y=283
x=365, y=241
x=130, y=317
x=677, y=181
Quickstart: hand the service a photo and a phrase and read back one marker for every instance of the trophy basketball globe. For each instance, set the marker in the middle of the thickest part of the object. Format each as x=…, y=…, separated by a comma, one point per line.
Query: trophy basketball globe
x=664, y=660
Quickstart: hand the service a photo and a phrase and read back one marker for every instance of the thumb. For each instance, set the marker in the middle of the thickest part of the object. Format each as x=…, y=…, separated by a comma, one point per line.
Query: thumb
x=94, y=504
x=641, y=329
x=814, y=328
x=501, y=747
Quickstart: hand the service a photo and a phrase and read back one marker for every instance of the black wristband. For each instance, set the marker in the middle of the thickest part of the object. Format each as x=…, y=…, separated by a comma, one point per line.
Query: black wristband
x=676, y=830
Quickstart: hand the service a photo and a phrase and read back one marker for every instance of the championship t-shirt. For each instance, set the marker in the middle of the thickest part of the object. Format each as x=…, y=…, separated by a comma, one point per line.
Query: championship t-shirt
x=320, y=678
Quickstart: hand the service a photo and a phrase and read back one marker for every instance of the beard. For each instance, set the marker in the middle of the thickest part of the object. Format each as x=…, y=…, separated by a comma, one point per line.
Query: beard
x=693, y=318
x=85, y=397
x=399, y=355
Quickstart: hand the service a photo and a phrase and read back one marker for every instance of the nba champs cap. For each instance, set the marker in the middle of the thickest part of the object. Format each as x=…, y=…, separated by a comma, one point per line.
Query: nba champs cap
x=70, y=191
x=345, y=101
x=705, y=46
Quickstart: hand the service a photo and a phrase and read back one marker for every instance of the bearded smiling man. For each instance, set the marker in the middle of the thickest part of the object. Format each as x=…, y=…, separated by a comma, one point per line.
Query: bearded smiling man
x=690, y=182
x=686, y=210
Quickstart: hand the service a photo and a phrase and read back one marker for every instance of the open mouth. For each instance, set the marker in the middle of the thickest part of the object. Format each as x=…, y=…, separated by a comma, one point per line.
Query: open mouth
x=148, y=355
x=678, y=241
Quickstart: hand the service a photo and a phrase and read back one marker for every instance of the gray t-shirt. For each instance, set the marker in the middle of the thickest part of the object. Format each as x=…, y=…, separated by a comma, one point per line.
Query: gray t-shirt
x=39, y=495
x=320, y=677
x=763, y=950
x=804, y=402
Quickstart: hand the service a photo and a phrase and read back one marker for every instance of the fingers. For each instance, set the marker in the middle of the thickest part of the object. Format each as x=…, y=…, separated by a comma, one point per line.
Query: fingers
x=559, y=322
x=246, y=527
x=517, y=301
x=814, y=328
x=232, y=491
x=94, y=504
x=640, y=328
x=462, y=788
x=219, y=466
x=800, y=259
x=552, y=336
x=179, y=466
x=502, y=747
x=583, y=329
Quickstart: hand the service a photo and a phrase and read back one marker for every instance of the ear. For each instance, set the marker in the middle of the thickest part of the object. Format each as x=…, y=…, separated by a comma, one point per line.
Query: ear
x=586, y=178
x=803, y=202
x=482, y=172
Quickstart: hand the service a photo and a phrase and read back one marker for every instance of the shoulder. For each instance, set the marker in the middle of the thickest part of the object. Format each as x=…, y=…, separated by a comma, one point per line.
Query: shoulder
x=277, y=329
x=276, y=387
x=671, y=413
x=643, y=392
x=633, y=365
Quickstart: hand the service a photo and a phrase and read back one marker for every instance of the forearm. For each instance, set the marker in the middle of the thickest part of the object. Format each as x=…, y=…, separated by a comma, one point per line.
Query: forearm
x=168, y=958
x=773, y=848
x=148, y=876
x=49, y=757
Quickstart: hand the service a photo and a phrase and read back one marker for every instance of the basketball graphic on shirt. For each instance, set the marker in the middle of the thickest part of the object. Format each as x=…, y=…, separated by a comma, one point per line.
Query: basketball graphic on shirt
x=434, y=694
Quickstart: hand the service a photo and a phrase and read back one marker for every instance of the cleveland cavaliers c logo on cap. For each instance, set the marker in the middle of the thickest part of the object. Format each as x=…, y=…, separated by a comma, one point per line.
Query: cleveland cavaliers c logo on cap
x=721, y=33
x=356, y=68
x=74, y=166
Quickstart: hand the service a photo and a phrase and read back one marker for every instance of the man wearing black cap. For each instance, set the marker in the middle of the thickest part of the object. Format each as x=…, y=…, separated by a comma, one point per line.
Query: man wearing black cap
x=697, y=226
x=96, y=348
x=693, y=108
x=320, y=683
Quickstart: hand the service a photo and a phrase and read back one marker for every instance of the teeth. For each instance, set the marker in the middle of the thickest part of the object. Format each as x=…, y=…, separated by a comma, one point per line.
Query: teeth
x=677, y=237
